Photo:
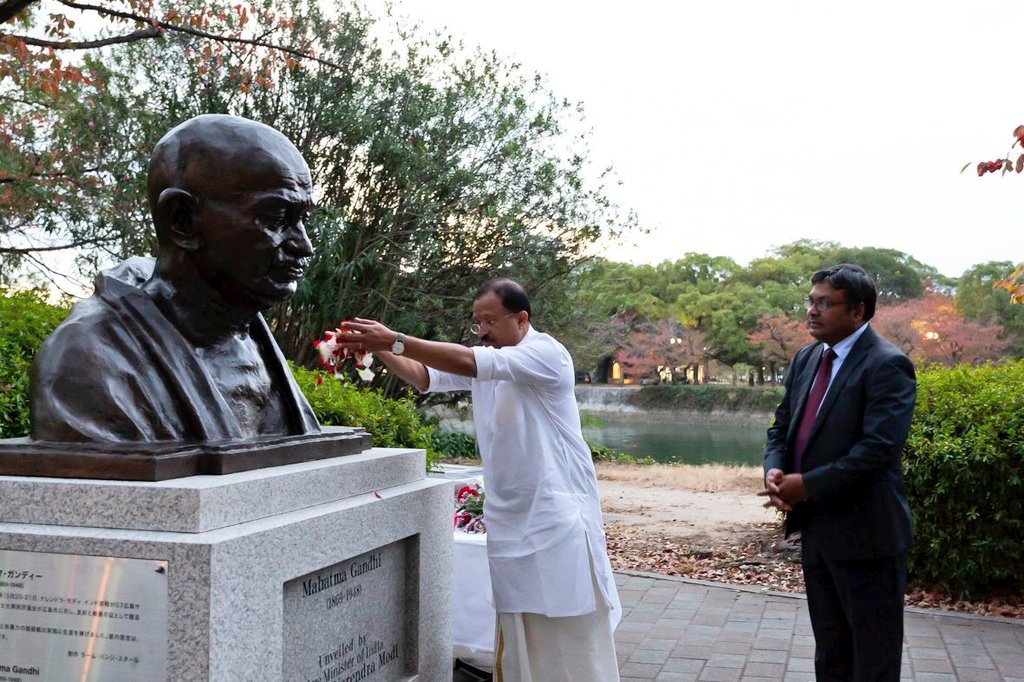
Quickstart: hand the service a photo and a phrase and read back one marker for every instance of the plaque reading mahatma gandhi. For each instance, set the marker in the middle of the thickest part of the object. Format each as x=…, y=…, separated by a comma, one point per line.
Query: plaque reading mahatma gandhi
x=350, y=622
x=82, y=618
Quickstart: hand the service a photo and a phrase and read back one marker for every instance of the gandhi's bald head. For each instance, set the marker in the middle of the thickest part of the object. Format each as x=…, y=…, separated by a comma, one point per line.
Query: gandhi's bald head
x=214, y=155
x=230, y=198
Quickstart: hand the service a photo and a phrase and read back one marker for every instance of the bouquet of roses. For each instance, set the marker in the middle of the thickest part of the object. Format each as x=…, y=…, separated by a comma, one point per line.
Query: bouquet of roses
x=469, y=508
x=332, y=354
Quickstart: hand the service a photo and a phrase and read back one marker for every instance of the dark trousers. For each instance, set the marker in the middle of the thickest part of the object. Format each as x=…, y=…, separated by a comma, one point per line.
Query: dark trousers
x=856, y=609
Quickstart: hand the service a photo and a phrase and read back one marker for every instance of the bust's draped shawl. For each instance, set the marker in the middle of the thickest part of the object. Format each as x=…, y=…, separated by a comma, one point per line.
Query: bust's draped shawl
x=117, y=370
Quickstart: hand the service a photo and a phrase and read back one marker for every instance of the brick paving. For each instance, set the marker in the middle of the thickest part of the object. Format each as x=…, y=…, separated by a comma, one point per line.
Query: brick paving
x=676, y=630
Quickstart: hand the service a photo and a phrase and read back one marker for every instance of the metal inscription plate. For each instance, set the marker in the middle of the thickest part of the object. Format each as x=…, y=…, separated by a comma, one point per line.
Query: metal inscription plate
x=82, y=618
x=351, y=621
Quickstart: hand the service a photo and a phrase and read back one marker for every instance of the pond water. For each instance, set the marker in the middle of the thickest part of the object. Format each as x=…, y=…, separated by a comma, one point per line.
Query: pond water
x=665, y=436
x=689, y=438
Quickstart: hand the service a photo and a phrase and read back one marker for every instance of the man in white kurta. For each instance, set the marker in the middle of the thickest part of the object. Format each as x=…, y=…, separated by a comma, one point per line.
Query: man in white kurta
x=552, y=581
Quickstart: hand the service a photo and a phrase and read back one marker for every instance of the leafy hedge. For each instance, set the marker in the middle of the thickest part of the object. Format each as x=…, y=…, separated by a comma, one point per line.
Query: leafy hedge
x=26, y=319
x=391, y=423
x=463, y=446
x=603, y=453
x=964, y=466
x=454, y=445
x=711, y=397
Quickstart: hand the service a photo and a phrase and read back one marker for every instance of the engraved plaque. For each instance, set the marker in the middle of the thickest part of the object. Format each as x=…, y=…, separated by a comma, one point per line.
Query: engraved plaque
x=351, y=621
x=82, y=618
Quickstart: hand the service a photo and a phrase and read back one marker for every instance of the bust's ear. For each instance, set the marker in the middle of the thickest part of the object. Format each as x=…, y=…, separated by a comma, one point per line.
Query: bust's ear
x=176, y=210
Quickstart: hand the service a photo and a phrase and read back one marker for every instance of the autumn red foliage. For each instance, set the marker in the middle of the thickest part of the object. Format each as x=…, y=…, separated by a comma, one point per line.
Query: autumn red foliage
x=38, y=58
x=656, y=345
x=778, y=337
x=930, y=330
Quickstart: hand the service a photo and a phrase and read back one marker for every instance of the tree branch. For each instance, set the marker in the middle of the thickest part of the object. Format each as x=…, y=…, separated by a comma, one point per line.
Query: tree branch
x=154, y=29
x=15, y=251
x=11, y=8
x=51, y=275
x=141, y=34
x=7, y=179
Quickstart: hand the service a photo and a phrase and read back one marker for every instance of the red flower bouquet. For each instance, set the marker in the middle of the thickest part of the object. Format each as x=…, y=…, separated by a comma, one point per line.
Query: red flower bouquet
x=469, y=508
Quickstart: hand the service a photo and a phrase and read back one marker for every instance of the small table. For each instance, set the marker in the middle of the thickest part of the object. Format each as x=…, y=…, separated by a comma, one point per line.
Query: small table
x=473, y=610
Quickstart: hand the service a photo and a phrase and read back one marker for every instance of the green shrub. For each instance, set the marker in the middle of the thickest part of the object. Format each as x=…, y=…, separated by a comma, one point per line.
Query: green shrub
x=454, y=445
x=602, y=453
x=964, y=467
x=463, y=446
x=391, y=423
x=711, y=397
x=25, y=322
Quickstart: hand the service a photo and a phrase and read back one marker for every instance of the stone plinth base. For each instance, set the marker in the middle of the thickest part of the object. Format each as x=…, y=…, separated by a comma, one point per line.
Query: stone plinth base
x=332, y=569
x=160, y=461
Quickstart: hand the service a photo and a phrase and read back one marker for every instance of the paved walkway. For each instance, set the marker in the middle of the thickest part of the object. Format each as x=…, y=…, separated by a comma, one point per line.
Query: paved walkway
x=674, y=630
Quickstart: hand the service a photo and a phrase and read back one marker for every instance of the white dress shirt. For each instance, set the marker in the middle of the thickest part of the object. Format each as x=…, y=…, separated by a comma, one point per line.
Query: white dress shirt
x=542, y=508
x=841, y=349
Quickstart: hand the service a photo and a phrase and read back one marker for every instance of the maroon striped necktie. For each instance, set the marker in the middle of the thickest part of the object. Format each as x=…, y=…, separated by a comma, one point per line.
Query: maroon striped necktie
x=811, y=408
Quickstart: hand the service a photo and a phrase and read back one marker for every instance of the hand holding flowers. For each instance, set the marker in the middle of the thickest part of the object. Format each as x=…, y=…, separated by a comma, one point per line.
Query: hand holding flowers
x=332, y=353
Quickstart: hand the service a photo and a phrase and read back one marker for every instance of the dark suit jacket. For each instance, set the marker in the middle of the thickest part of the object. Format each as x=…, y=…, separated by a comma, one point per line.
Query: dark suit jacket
x=852, y=467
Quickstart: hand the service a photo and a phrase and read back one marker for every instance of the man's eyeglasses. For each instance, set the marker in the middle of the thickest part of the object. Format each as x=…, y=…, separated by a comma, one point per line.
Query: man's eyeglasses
x=822, y=304
x=477, y=327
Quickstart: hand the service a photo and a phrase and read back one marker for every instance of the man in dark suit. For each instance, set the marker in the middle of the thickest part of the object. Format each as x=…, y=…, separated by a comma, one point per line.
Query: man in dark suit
x=833, y=462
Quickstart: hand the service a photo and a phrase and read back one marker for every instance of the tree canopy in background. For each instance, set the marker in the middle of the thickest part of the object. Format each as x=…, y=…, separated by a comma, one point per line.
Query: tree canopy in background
x=930, y=329
x=753, y=317
x=435, y=166
x=71, y=159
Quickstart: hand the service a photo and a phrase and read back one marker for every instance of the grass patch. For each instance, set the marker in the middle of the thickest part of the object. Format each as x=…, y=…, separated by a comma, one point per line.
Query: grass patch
x=707, y=478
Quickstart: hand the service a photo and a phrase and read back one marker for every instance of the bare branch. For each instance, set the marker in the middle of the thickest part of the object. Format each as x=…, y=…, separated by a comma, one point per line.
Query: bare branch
x=6, y=179
x=11, y=250
x=52, y=275
x=142, y=34
x=154, y=29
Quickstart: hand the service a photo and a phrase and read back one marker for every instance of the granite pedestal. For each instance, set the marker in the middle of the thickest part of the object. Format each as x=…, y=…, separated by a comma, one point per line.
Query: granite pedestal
x=336, y=570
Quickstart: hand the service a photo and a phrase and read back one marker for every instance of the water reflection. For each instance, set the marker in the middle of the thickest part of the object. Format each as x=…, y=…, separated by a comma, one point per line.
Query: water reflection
x=686, y=438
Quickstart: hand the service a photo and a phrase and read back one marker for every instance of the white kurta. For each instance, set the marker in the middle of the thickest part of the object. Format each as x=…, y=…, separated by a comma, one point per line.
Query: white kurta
x=542, y=508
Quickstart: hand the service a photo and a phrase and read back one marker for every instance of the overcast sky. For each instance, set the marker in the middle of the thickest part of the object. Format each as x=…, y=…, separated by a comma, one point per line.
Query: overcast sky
x=739, y=125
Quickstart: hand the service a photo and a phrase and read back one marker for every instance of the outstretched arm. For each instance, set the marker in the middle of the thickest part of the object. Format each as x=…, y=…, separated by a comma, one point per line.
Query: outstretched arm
x=368, y=335
x=408, y=370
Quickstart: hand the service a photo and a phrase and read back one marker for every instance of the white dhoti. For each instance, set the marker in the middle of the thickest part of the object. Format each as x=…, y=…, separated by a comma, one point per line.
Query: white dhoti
x=530, y=647
x=536, y=648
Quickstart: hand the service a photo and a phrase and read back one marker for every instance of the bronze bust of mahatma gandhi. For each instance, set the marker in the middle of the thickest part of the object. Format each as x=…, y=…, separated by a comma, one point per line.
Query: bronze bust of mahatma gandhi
x=170, y=360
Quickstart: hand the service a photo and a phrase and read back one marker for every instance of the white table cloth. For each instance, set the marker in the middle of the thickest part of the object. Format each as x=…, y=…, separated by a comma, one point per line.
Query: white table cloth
x=473, y=628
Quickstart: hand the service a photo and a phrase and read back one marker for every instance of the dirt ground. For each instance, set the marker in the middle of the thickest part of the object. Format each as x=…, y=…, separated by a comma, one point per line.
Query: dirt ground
x=716, y=504
x=707, y=523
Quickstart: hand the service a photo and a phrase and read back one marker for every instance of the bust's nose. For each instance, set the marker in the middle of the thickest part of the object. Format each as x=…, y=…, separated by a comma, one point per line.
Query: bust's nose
x=298, y=243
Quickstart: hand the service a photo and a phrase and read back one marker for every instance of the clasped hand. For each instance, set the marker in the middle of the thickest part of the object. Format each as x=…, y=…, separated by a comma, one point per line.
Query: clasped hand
x=783, y=491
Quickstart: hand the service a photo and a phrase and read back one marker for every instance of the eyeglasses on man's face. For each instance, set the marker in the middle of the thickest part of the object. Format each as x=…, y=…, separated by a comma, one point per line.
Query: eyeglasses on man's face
x=478, y=327
x=822, y=303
